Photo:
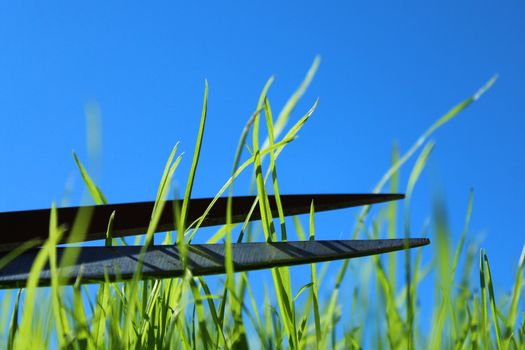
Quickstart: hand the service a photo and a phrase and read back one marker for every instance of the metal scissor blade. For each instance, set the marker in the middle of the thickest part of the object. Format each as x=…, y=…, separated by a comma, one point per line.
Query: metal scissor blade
x=133, y=218
x=120, y=263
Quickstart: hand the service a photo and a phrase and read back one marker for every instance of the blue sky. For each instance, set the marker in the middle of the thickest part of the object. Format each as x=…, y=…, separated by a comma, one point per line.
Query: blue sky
x=387, y=72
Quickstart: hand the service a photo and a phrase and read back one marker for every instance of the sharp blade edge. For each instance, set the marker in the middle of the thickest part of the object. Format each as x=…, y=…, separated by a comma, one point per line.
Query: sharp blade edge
x=133, y=218
x=119, y=263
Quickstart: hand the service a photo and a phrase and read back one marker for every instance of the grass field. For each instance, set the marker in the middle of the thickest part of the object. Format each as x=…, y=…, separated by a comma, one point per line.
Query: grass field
x=195, y=312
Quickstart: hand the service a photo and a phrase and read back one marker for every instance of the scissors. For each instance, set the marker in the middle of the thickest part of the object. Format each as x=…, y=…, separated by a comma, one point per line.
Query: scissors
x=95, y=264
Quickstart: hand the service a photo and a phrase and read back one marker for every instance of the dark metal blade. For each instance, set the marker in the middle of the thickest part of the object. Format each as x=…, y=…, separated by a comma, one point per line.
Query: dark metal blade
x=203, y=259
x=133, y=218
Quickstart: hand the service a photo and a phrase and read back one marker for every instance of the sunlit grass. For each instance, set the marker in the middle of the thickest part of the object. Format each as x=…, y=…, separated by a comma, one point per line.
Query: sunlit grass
x=199, y=312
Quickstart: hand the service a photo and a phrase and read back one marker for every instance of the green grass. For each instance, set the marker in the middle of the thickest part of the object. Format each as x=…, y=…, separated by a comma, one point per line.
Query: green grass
x=381, y=310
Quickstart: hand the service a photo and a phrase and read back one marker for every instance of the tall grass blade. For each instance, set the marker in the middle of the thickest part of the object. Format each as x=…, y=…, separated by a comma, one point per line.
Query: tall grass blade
x=392, y=216
x=269, y=124
x=195, y=162
x=155, y=217
x=213, y=311
x=93, y=189
x=516, y=293
x=109, y=231
x=13, y=327
x=410, y=298
x=492, y=299
x=284, y=115
x=12, y=254
x=422, y=140
x=484, y=313
x=204, y=335
x=463, y=235
x=315, y=287
x=280, y=275
x=62, y=326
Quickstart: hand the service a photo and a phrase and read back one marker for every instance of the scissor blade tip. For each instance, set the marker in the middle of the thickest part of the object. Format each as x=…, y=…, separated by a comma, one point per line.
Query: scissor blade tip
x=418, y=242
x=394, y=195
x=385, y=197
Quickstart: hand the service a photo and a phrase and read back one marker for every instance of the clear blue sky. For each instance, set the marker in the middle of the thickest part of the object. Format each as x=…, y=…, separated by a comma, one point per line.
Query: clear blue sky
x=387, y=73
